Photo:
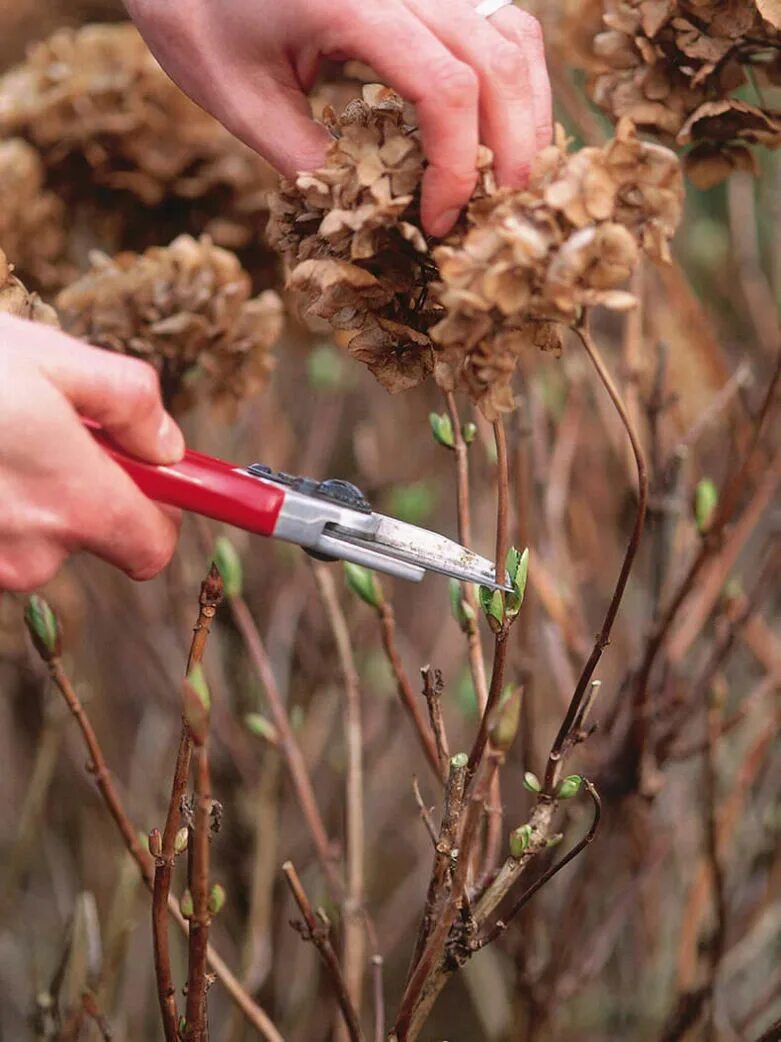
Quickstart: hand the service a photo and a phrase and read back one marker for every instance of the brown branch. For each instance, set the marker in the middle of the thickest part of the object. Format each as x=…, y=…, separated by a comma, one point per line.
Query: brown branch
x=255, y=1015
x=713, y=857
x=379, y=999
x=318, y=932
x=409, y=699
x=432, y=692
x=354, y=954
x=502, y=924
x=725, y=508
x=288, y=744
x=474, y=645
x=500, y=643
x=196, y=1026
x=209, y=599
x=565, y=733
x=425, y=812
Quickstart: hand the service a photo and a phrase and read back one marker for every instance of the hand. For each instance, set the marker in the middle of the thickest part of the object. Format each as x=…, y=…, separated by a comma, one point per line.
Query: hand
x=60, y=492
x=251, y=62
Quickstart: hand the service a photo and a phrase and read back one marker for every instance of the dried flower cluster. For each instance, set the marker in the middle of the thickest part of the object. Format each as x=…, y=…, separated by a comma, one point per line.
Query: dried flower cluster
x=187, y=309
x=98, y=95
x=569, y=240
x=16, y=300
x=31, y=219
x=672, y=66
x=518, y=261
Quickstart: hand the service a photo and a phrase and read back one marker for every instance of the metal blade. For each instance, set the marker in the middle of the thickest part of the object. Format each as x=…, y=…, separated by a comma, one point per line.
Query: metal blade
x=424, y=549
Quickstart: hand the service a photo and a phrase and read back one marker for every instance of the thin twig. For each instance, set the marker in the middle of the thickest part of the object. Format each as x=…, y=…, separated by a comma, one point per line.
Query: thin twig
x=354, y=954
x=318, y=932
x=255, y=1015
x=379, y=999
x=432, y=692
x=209, y=599
x=288, y=744
x=409, y=699
x=713, y=858
x=502, y=924
x=196, y=1029
x=474, y=645
x=425, y=812
x=565, y=731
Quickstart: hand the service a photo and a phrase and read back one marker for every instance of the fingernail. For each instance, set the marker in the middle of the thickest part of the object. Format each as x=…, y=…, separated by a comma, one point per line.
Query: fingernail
x=170, y=439
x=441, y=225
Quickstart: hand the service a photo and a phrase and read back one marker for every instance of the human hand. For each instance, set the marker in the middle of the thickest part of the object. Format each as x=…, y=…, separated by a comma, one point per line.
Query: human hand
x=59, y=492
x=251, y=62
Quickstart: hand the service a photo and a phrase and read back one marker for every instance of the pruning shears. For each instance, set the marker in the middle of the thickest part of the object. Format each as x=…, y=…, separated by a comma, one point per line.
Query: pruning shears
x=331, y=519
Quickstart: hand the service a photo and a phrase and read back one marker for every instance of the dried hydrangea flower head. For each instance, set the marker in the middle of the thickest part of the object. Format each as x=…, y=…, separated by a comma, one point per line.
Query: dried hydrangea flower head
x=17, y=301
x=673, y=65
x=350, y=234
x=568, y=241
x=187, y=309
x=31, y=219
x=98, y=96
x=517, y=263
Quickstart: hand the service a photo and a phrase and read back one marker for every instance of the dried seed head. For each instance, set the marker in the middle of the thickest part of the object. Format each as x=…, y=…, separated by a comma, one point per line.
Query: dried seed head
x=32, y=230
x=16, y=300
x=186, y=308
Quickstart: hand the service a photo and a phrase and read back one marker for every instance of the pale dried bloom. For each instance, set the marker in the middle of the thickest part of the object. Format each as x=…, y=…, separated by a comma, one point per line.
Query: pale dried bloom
x=96, y=96
x=187, y=309
x=569, y=240
x=672, y=66
x=518, y=262
x=31, y=219
x=16, y=300
x=351, y=236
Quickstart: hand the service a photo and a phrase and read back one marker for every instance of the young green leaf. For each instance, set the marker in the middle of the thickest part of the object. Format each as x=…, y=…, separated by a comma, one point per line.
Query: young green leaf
x=468, y=432
x=43, y=627
x=531, y=782
x=261, y=727
x=520, y=839
x=217, y=898
x=505, y=719
x=569, y=787
x=493, y=609
x=364, y=583
x=518, y=570
x=442, y=429
x=229, y=565
x=186, y=905
x=706, y=498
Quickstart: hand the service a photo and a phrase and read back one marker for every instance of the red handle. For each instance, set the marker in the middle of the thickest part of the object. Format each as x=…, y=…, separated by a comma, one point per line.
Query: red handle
x=204, y=485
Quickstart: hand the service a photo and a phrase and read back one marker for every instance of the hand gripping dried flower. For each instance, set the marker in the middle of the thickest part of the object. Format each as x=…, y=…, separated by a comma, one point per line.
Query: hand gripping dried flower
x=97, y=96
x=519, y=262
x=672, y=66
x=187, y=309
x=17, y=301
x=31, y=219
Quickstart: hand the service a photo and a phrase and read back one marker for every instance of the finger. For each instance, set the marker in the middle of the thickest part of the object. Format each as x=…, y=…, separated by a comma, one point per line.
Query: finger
x=122, y=394
x=26, y=565
x=106, y=514
x=507, y=119
x=523, y=29
x=444, y=90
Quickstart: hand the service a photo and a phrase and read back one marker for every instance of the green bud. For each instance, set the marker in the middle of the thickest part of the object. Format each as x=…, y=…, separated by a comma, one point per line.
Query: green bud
x=517, y=566
x=364, y=582
x=198, y=682
x=216, y=898
x=555, y=839
x=520, y=839
x=43, y=627
x=706, y=497
x=468, y=432
x=325, y=368
x=186, y=905
x=155, y=842
x=459, y=606
x=493, y=607
x=182, y=1026
x=459, y=760
x=569, y=787
x=531, y=782
x=229, y=564
x=196, y=704
x=261, y=727
x=506, y=717
x=181, y=839
x=442, y=429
